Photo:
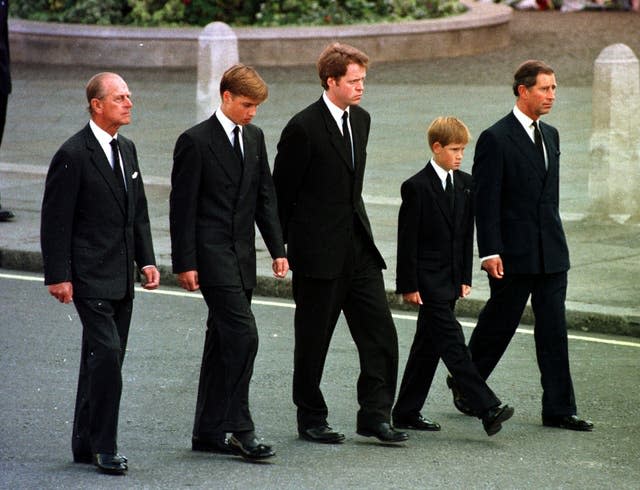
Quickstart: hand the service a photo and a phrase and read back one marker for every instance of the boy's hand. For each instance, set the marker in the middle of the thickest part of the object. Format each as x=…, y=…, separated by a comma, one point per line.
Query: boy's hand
x=412, y=298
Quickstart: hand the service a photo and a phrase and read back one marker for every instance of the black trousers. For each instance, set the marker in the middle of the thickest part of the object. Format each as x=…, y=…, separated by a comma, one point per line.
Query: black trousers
x=359, y=293
x=105, y=329
x=500, y=318
x=439, y=336
x=230, y=348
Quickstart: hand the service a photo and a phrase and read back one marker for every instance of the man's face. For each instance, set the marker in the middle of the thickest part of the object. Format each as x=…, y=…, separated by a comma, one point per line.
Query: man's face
x=448, y=157
x=238, y=108
x=114, y=108
x=538, y=100
x=348, y=89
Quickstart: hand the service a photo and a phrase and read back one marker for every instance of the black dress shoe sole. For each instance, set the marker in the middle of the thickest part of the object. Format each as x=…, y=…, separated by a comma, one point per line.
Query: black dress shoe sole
x=336, y=438
x=568, y=426
x=420, y=427
x=401, y=437
x=260, y=452
x=111, y=471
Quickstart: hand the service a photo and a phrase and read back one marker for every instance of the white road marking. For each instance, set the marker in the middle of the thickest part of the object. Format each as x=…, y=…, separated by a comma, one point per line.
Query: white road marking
x=282, y=304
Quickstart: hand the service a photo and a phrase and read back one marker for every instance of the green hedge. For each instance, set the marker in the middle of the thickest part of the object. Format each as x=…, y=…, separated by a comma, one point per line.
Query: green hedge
x=234, y=12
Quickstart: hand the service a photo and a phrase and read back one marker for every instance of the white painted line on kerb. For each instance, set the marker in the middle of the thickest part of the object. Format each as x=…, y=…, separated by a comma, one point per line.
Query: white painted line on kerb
x=281, y=304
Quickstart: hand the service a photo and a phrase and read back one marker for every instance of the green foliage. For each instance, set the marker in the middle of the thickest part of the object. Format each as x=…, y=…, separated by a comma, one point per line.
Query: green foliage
x=234, y=12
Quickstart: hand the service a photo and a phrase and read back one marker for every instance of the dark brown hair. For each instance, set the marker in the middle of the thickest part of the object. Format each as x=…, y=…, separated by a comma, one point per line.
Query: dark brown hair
x=335, y=59
x=527, y=74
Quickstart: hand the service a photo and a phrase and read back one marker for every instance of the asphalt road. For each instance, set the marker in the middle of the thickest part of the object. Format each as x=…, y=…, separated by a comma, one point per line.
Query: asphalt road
x=39, y=350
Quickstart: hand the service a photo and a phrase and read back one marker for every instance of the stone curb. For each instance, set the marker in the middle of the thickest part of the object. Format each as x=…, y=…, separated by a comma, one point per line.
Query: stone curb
x=582, y=321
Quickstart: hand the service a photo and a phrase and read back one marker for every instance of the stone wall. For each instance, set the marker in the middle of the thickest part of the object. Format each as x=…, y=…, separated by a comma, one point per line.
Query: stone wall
x=484, y=27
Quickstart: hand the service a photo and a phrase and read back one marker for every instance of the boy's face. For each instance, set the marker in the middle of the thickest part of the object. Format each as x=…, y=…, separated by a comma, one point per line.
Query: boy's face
x=448, y=157
x=238, y=108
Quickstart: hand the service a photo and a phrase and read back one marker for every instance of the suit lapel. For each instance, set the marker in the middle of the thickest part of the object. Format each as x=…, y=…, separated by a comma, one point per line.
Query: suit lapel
x=335, y=134
x=461, y=196
x=100, y=162
x=128, y=166
x=553, y=155
x=441, y=197
x=251, y=157
x=528, y=148
x=223, y=151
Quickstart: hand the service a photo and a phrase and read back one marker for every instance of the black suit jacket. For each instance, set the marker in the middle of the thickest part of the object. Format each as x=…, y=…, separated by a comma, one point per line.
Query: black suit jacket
x=435, y=243
x=90, y=233
x=319, y=193
x=215, y=205
x=517, y=200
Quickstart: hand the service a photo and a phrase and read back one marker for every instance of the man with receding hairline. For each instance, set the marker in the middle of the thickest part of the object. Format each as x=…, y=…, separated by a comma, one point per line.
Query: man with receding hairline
x=95, y=225
x=522, y=245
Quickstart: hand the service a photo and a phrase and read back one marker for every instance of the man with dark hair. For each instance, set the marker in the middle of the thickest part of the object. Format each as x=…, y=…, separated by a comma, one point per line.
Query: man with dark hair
x=5, y=82
x=95, y=225
x=221, y=187
x=522, y=244
x=318, y=173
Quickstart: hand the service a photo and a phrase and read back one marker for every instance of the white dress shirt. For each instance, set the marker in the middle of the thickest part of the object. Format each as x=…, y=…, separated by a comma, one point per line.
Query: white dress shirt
x=228, y=125
x=527, y=124
x=337, y=113
x=104, y=139
x=442, y=173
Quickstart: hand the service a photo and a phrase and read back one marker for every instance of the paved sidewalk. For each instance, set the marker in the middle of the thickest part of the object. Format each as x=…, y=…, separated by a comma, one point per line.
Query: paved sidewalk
x=47, y=107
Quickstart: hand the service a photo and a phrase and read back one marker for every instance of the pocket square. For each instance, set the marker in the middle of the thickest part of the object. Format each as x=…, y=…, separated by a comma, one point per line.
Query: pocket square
x=134, y=175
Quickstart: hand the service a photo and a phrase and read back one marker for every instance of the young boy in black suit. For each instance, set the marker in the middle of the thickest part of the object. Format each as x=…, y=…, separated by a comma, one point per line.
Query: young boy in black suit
x=435, y=255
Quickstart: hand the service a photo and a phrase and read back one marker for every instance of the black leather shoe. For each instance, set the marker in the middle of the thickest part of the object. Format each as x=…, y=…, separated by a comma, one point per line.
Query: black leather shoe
x=111, y=464
x=415, y=423
x=492, y=421
x=383, y=432
x=322, y=434
x=249, y=448
x=458, y=399
x=571, y=422
x=6, y=215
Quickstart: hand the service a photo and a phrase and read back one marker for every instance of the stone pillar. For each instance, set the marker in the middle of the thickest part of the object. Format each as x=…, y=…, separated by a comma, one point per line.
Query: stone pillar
x=614, y=179
x=217, y=51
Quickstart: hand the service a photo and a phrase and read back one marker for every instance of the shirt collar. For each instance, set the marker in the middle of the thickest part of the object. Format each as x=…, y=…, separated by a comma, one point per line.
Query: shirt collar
x=335, y=111
x=227, y=124
x=101, y=135
x=442, y=173
x=525, y=120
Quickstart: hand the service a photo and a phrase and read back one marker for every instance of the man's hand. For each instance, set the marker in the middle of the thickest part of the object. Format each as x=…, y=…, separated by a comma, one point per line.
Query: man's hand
x=494, y=267
x=152, y=277
x=62, y=291
x=189, y=280
x=280, y=267
x=413, y=298
x=465, y=290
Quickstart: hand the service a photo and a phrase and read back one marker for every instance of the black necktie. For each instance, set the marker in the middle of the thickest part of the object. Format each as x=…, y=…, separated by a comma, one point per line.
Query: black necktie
x=236, y=143
x=537, y=137
x=448, y=189
x=347, y=136
x=117, y=169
